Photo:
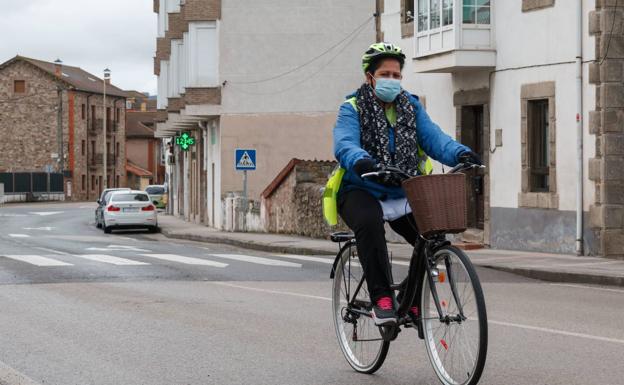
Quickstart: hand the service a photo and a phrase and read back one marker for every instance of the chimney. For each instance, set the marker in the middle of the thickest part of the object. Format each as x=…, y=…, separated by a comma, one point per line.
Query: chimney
x=107, y=73
x=58, y=68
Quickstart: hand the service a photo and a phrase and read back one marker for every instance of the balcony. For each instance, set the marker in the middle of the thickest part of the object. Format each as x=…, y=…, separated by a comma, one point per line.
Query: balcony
x=454, y=36
x=111, y=126
x=97, y=160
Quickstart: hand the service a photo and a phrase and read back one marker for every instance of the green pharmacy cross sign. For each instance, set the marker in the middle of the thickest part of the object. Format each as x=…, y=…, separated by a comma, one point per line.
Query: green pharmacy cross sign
x=185, y=141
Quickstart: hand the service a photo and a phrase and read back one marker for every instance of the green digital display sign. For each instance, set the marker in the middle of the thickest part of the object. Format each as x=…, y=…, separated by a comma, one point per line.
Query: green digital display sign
x=185, y=141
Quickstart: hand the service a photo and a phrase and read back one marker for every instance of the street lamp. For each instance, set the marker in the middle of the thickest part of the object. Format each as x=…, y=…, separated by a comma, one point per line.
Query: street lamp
x=107, y=73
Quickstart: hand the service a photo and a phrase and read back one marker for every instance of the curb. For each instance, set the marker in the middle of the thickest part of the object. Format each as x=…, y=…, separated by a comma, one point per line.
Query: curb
x=543, y=275
x=559, y=276
x=250, y=244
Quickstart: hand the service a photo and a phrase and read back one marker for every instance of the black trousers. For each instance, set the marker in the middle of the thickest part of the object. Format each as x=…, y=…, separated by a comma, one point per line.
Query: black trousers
x=363, y=214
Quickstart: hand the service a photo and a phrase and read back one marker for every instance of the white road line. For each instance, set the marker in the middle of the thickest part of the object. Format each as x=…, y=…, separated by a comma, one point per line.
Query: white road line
x=118, y=248
x=185, y=260
x=258, y=260
x=38, y=260
x=110, y=259
x=508, y=324
x=329, y=261
x=10, y=376
x=555, y=331
x=45, y=213
x=271, y=291
x=19, y=235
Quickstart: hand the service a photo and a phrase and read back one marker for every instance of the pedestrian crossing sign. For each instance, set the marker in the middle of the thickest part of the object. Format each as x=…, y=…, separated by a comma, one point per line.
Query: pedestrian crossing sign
x=245, y=159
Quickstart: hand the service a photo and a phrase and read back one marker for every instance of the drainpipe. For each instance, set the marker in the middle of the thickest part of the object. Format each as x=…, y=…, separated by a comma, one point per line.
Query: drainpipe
x=87, y=185
x=579, y=127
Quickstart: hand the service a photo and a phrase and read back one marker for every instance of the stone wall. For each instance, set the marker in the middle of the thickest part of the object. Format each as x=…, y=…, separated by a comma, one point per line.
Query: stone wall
x=295, y=207
x=607, y=123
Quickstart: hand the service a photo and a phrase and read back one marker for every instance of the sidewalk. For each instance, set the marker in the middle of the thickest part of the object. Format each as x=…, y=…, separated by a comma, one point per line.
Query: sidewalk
x=548, y=267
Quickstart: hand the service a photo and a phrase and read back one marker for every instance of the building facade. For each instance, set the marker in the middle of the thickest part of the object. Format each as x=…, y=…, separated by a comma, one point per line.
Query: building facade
x=536, y=88
x=145, y=163
x=51, y=121
x=253, y=75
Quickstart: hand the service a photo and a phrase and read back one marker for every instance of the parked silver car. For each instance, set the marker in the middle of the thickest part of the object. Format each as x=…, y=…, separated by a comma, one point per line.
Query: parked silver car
x=129, y=209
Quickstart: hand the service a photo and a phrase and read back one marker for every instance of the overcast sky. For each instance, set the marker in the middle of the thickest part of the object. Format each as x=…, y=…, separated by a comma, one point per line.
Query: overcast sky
x=91, y=34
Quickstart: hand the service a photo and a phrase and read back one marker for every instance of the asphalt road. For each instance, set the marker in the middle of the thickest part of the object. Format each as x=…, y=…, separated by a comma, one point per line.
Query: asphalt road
x=82, y=307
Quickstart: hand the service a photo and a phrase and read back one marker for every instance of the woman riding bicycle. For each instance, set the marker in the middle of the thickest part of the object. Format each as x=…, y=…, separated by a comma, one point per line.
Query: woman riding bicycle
x=380, y=125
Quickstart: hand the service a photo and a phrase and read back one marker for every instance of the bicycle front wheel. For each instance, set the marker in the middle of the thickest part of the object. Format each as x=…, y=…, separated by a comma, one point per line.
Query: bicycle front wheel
x=456, y=342
x=358, y=336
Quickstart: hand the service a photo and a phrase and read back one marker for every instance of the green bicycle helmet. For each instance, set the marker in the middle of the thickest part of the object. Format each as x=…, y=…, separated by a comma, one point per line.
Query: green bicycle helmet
x=381, y=50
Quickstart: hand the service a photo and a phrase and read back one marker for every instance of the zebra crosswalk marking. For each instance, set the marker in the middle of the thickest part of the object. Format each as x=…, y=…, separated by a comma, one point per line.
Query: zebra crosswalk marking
x=37, y=260
x=258, y=260
x=110, y=259
x=185, y=260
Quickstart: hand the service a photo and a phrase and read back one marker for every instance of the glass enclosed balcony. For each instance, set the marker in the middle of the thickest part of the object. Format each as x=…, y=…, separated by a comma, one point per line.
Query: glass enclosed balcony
x=454, y=35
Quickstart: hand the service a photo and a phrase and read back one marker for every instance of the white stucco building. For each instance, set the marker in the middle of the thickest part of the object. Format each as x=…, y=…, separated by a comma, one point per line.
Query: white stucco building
x=501, y=76
x=251, y=74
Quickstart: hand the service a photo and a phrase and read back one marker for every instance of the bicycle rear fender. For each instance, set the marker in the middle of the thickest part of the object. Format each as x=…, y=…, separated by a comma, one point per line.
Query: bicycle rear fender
x=337, y=259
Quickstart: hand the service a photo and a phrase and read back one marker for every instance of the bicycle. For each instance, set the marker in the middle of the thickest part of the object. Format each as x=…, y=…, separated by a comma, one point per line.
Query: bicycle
x=452, y=317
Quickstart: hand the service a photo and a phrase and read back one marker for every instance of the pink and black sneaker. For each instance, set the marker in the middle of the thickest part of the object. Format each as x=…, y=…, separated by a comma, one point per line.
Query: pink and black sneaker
x=383, y=311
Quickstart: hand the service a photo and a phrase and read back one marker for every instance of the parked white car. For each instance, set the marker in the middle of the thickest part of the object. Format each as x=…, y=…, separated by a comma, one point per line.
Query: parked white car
x=129, y=209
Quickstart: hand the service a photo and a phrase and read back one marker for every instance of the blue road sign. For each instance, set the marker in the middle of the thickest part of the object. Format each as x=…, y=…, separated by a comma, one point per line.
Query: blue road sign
x=245, y=159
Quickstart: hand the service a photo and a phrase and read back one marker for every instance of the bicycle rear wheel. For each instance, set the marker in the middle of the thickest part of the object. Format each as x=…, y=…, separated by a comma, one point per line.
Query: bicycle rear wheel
x=457, y=345
x=358, y=336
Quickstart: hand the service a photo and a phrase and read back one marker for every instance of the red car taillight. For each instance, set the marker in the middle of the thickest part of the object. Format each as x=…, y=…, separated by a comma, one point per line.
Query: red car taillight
x=148, y=208
x=113, y=208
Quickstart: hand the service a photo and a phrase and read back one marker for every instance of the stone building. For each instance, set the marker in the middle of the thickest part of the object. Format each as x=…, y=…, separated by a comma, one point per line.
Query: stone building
x=51, y=120
x=535, y=86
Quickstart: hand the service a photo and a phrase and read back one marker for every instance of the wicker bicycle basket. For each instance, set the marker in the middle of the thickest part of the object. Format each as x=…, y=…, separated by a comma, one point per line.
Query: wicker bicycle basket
x=438, y=202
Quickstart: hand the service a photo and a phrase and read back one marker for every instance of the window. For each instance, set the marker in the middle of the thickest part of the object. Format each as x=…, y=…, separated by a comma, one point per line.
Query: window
x=117, y=115
x=538, y=144
x=117, y=150
x=92, y=182
x=82, y=147
x=434, y=14
x=538, y=127
x=19, y=86
x=117, y=181
x=423, y=15
x=476, y=11
x=128, y=197
x=447, y=12
x=83, y=113
x=84, y=183
x=107, y=148
x=93, y=114
x=408, y=12
x=93, y=151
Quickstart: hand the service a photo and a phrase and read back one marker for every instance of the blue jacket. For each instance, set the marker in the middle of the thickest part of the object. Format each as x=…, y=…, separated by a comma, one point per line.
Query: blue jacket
x=348, y=150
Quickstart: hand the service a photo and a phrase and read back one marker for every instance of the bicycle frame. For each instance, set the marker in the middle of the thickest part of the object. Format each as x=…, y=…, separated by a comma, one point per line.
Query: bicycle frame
x=421, y=263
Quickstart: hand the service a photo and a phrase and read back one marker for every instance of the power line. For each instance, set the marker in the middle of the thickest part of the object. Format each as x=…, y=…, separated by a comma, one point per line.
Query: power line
x=356, y=31
x=304, y=79
x=610, y=33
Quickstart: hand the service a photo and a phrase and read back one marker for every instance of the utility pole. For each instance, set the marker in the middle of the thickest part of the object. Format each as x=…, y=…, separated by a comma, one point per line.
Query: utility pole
x=59, y=117
x=105, y=152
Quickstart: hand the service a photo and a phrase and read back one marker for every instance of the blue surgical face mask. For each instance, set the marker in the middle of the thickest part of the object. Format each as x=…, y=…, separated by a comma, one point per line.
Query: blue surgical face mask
x=387, y=89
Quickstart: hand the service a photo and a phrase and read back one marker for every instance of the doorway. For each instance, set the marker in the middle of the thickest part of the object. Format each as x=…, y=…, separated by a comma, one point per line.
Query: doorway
x=472, y=128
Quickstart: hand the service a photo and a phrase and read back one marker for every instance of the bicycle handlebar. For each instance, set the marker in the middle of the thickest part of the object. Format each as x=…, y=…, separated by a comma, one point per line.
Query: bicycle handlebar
x=388, y=170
